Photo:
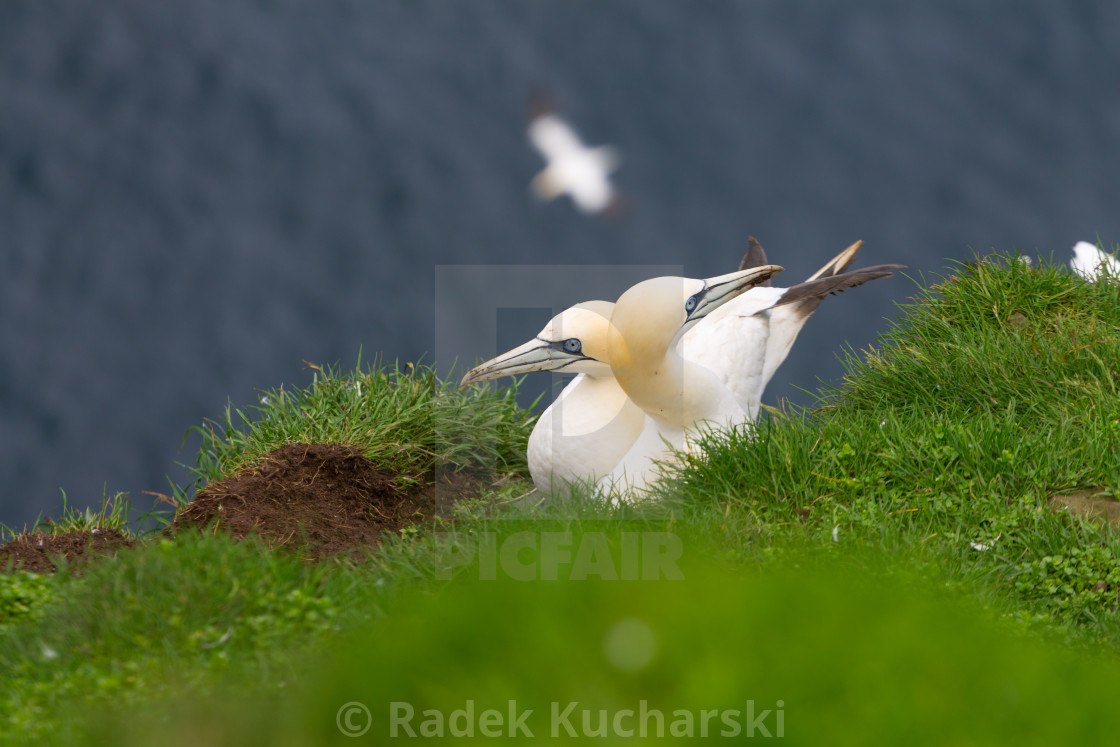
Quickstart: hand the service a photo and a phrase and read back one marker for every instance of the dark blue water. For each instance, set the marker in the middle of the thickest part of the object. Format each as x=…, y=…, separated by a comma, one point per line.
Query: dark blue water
x=197, y=197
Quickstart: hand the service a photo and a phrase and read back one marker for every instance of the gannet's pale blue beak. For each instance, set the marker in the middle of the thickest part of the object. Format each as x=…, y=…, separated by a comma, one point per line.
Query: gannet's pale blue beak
x=719, y=290
x=535, y=355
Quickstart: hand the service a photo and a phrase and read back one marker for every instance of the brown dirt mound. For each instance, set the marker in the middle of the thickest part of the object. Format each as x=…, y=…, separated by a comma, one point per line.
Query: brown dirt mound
x=324, y=499
x=35, y=551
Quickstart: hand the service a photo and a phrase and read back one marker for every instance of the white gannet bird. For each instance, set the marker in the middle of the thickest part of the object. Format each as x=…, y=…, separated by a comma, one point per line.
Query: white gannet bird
x=743, y=342
x=677, y=395
x=586, y=431
x=715, y=379
x=732, y=339
x=1091, y=263
x=584, y=435
x=572, y=167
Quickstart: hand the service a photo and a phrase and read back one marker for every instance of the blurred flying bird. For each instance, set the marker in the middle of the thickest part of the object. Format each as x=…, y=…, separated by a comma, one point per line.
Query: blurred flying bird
x=571, y=167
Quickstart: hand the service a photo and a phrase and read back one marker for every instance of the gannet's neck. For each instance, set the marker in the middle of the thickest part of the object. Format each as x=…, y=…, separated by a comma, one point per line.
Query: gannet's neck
x=665, y=385
x=657, y=386
x=600, y=401
x=583, y=435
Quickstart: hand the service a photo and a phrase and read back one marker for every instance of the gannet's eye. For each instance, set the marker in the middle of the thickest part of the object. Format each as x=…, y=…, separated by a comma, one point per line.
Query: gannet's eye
x=691, y=304
x=572, y=345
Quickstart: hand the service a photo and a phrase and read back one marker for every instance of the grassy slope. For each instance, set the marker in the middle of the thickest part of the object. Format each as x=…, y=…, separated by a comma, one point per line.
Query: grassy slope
x=993, y=391
x=996, y=390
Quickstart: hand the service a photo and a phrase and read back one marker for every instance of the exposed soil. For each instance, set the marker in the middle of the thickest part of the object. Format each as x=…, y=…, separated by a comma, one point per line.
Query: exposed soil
x=320, y=499
x=36, y=552
x=1091, y=502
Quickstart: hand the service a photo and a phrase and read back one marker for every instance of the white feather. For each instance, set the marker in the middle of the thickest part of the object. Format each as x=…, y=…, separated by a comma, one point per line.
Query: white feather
x=1091, y=263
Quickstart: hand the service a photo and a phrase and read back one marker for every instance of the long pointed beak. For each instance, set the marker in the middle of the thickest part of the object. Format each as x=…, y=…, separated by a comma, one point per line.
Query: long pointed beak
x=535, y=355
x=839, y=263
x=719, y=290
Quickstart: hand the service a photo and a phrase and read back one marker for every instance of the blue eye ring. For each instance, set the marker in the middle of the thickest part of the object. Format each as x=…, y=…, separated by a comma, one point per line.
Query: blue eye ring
x=573, y=345
x=691, y=304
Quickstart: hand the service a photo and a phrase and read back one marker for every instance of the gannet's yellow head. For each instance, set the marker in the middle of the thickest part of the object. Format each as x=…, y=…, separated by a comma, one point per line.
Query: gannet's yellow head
x=646, y=324
x=575, y=341
x=650, y=317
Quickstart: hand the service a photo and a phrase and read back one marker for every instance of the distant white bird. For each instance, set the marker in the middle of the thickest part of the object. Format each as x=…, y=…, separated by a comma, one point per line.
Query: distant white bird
x=572, y=168
x=1091, y=263
x=584, y=435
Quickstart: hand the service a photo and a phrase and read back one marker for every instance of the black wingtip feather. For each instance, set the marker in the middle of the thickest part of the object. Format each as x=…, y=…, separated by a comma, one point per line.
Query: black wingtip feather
x=832, y=284
x=755, y=257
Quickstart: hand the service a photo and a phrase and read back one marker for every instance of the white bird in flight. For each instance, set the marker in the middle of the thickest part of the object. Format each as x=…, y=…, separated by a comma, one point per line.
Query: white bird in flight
x=572, y=168
x=592, y=426
x=1091, y=263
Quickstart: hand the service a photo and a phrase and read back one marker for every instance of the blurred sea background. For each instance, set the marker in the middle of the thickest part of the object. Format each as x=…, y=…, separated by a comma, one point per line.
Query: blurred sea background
x=196, y=198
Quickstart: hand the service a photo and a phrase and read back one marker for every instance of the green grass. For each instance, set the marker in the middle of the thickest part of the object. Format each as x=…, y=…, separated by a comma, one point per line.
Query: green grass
x=887, y=564
x=402, y=418
x=171, y=618
x=23, y=596
x=846, y=658
x=114, y=513
x=957, y=429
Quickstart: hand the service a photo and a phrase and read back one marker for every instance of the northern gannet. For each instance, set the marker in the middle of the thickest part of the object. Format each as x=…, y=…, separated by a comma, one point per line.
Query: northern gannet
x=1091, y=263
x=584, y=435
x=745, y=341
x=717, y=376
x=572, y=167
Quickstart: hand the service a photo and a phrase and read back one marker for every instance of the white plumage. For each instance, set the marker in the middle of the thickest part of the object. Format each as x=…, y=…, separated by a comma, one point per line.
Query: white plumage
x=572, y=168
x=1091, y=263
x=587, y=430
x=746, y=341
x=595, y=433
x=591, y=427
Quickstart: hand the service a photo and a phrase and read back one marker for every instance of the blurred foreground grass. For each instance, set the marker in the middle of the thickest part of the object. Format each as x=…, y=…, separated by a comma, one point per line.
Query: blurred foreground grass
x=816, y=655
